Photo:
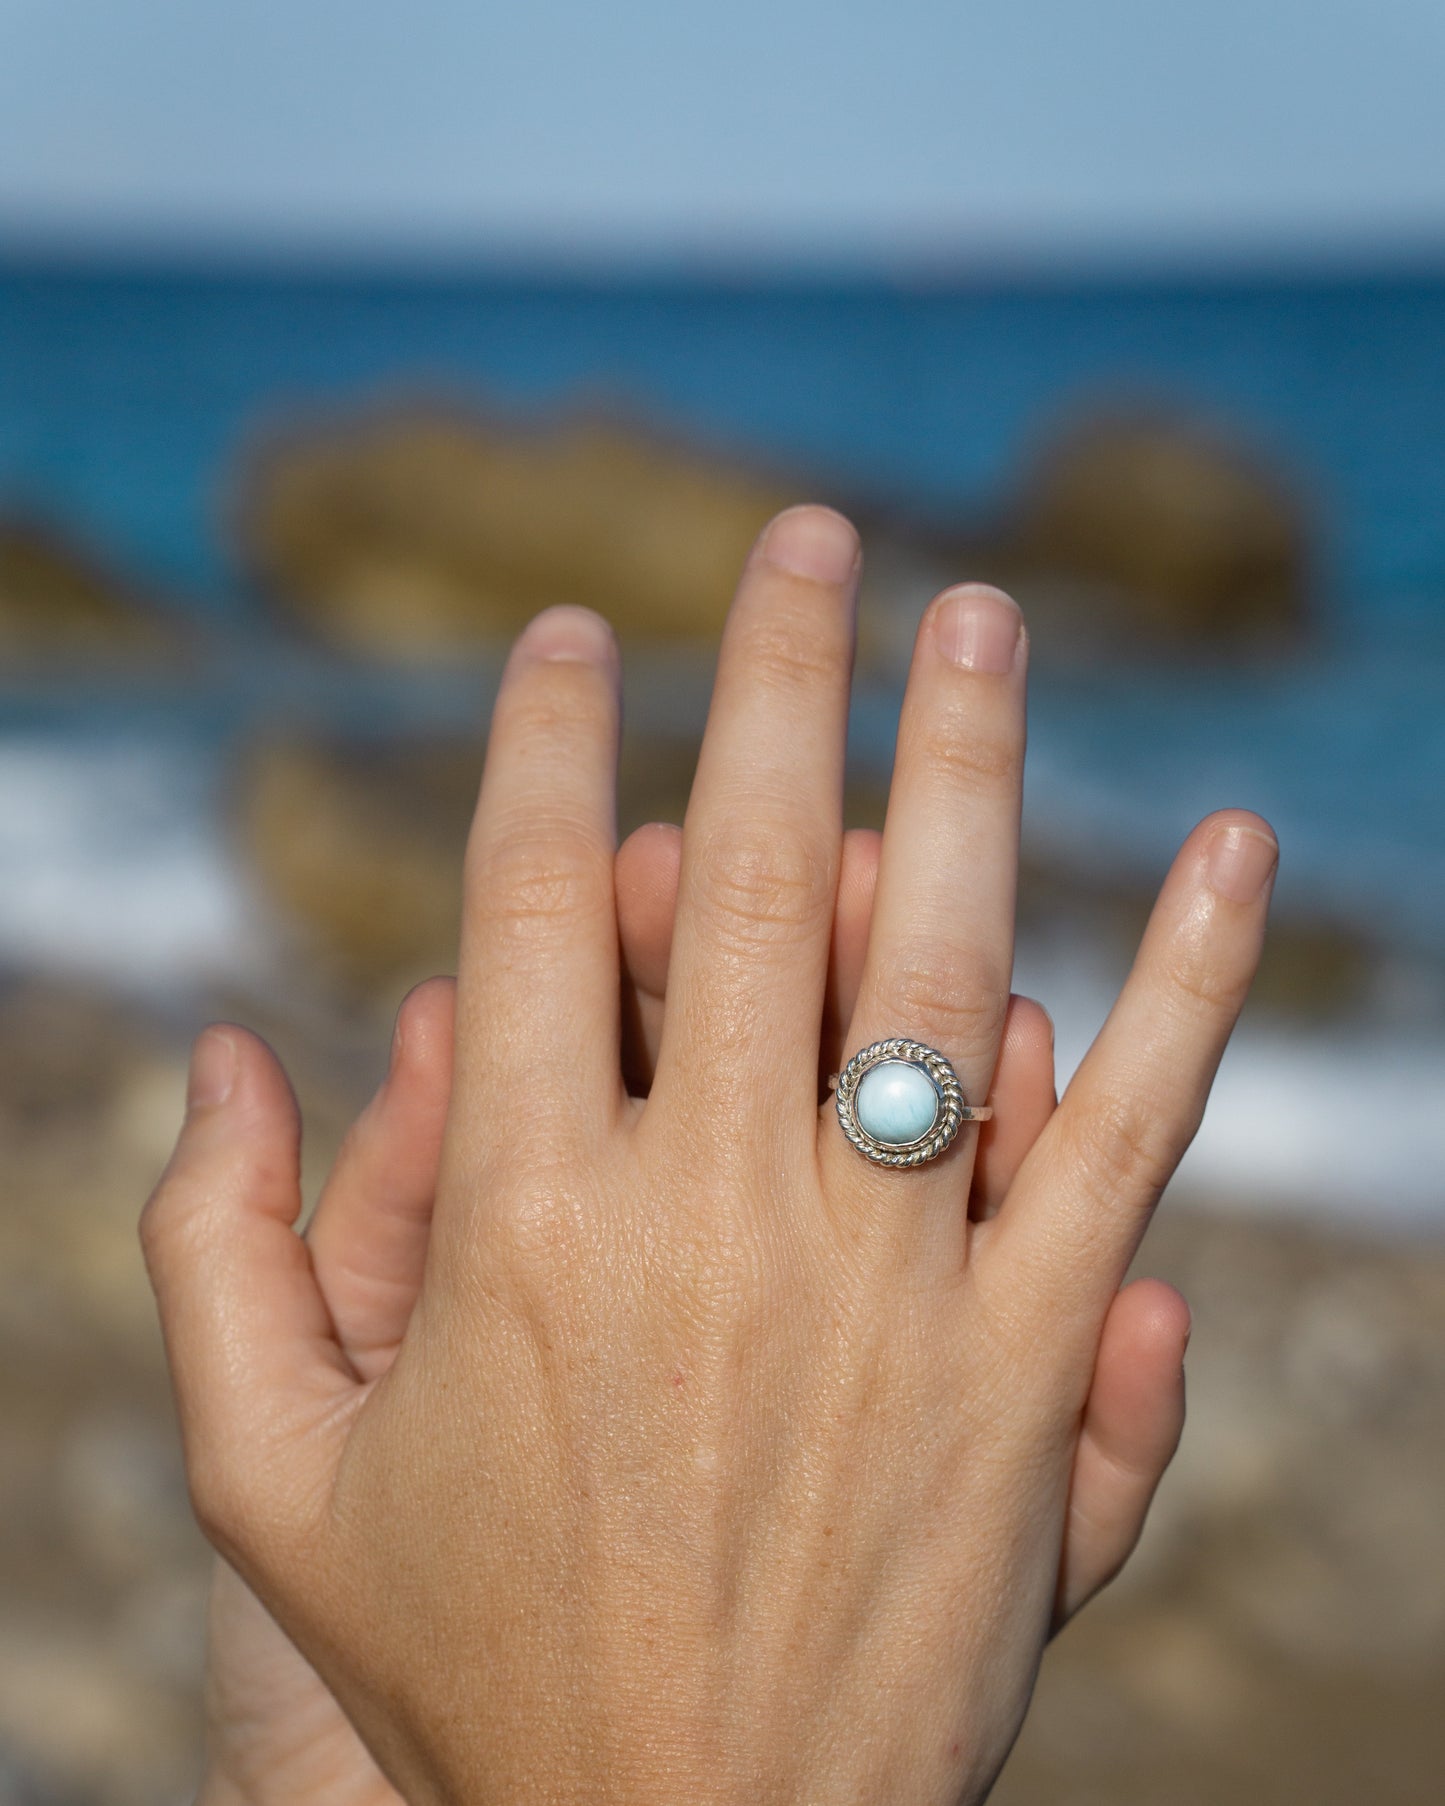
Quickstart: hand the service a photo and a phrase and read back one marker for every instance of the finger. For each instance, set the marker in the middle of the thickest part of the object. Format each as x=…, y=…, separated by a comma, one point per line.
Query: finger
x=258, y=1376
x=1084, y=1195
x=648, y=862
x=368, y=1236
x=1023, y=1101
x=1023, y=1090
x=537, y=983
x=761, y=842
x=1131, y=1427
x=940, y=948
x=853, y=911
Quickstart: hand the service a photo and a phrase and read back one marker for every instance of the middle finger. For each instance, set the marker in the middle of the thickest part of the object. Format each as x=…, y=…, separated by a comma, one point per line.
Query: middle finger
x=760, y=843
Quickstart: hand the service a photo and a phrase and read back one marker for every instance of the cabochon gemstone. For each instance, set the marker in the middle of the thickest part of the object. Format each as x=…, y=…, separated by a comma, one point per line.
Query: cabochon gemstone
x=896, y=1102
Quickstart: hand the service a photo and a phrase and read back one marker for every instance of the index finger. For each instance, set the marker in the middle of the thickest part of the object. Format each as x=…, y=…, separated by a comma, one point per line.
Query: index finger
x=537, y=976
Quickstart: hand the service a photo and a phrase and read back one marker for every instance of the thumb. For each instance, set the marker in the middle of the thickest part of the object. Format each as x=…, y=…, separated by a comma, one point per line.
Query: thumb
x=259, y=1380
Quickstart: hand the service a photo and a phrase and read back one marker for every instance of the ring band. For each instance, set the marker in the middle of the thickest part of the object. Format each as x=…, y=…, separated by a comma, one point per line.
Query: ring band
x=900, y=1103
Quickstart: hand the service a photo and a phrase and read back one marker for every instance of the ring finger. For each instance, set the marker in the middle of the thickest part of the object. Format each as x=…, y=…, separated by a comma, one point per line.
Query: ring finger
x=940, y=949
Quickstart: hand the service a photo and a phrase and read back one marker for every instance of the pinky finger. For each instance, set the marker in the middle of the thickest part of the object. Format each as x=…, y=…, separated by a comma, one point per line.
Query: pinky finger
x=1085, y=1193
x=1131, y=1427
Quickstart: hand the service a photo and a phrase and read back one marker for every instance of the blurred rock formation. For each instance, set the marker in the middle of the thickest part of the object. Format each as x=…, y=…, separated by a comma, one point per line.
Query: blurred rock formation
x=1162, y=527
x=416, y=533
x=413, y=533
x=62, y=608
x=361, y=847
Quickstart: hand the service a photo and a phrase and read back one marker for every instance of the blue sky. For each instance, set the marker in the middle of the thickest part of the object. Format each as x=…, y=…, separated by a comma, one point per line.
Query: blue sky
x=921, y=130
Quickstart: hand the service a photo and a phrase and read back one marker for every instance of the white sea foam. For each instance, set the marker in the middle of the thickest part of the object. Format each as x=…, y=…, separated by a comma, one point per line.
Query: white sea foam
x=1327, y=1121
x=113, y=863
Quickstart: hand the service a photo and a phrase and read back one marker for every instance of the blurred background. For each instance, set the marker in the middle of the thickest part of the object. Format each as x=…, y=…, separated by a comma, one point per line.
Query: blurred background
x=337, y=340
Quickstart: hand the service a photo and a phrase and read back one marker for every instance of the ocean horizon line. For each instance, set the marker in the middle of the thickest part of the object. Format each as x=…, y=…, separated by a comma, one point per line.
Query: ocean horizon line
x=28, y=254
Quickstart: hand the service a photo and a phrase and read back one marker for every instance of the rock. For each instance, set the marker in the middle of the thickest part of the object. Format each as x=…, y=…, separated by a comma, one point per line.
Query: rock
x=361, y=847
x=1162, y=530
x=60, y=606
x=412, y=535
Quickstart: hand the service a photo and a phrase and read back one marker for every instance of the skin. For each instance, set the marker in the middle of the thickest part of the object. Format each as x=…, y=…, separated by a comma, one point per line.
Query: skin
x=708, y=1458
x=274, y=1732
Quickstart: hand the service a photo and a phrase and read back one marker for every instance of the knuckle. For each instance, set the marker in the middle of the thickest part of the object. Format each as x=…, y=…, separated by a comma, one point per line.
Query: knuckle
x=785, y=650
x=563, y=700
x=1199, y=984
x=757, y=886
x=720, y=1266
x=956, y=999
x=538, y=873
x=253, y=1520
x=538, y=1240
x=153, y=1226
x=220, y=1499
x=965, y=760
x=1125, y=1152
x=736, y=1297
x=168, y=1219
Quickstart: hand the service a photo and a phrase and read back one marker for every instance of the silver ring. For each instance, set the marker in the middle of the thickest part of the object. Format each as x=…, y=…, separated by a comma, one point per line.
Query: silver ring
x=914, y=1111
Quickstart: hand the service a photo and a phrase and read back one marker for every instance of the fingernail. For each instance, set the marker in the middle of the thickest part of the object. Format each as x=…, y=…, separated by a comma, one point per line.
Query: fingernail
x=1049, y=1019
x=977, y=628
x=396, y=1040
x=1241, y=862
x=213, y=1070
x=568, y=635
x=812, y=542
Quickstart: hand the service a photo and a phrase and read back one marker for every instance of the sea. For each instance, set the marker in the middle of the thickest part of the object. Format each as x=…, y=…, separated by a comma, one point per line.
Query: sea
x=126, y=392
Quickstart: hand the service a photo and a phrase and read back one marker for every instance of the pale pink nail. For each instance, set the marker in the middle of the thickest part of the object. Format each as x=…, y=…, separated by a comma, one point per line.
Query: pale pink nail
x=1240, y=863
x=977, y=628
x=213, y=1070
x=812, y=542
x=569, y=635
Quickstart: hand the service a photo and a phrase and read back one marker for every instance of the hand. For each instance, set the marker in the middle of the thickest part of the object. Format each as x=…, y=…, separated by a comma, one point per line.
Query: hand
x=274, y=1732
x=956, y=1356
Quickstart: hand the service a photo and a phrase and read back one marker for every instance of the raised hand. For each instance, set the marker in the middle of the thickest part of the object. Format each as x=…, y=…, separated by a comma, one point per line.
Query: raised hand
x=750, y=936
x=273, y=1730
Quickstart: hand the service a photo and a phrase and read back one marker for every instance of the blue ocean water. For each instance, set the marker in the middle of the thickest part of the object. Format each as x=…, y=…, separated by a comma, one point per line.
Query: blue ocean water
x=124, y=397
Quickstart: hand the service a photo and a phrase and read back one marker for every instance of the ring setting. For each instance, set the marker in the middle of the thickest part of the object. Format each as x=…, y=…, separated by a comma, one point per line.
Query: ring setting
x=900, y=1103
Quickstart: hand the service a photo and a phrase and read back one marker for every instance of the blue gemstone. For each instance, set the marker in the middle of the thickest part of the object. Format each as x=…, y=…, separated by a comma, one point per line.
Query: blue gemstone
x=896, y=1102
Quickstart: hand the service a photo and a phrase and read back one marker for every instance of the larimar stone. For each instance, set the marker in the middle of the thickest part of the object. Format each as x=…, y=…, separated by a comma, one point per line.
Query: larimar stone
x=896, y=1102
